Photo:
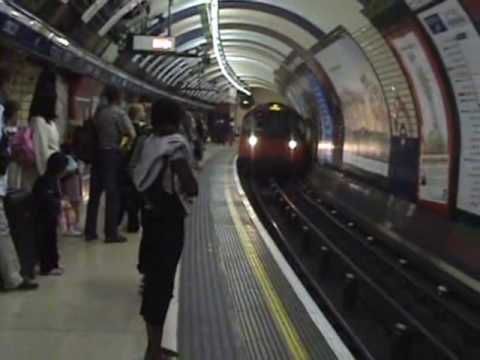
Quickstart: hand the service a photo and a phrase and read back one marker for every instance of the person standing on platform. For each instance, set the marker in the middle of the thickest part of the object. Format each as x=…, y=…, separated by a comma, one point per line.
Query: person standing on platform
x=162, y=173
x=112, y=125
x=46, y=139
x=47, y=201
x=9, y=262
x=130, y=199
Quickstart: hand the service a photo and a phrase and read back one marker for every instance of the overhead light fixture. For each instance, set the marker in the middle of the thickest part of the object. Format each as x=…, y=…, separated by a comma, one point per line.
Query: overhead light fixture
x=218, y=50
x=62, y=41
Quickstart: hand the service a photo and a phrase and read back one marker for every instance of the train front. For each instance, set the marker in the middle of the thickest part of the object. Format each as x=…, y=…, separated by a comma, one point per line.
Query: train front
x=272, y=141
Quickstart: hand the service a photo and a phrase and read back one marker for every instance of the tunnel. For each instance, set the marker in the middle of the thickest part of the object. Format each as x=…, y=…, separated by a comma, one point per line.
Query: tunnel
x=355, y=234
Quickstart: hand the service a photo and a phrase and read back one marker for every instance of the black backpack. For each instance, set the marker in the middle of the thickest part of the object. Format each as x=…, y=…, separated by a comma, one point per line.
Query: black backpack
x=161, y=202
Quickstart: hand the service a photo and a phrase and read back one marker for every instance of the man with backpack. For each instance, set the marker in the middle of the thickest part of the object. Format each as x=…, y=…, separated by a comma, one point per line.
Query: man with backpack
x=9, y=263
x=161, y=172
x=111, y=125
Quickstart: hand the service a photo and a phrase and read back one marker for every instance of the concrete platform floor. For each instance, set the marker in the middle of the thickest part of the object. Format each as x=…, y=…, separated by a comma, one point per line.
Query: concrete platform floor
x=91, y=312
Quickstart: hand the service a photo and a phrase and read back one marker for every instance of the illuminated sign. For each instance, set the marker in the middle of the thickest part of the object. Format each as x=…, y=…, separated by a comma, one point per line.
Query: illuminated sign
x=153, y=43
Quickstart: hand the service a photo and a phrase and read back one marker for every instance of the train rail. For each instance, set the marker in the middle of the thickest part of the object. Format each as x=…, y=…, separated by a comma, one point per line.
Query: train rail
x=380, y=304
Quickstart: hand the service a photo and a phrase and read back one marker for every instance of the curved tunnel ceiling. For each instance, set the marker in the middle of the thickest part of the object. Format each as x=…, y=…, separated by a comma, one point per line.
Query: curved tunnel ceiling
x=259, y=38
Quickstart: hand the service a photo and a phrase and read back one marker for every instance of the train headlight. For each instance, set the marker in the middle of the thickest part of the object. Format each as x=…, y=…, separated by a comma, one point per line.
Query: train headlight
x=253, y=140
x=292, y=144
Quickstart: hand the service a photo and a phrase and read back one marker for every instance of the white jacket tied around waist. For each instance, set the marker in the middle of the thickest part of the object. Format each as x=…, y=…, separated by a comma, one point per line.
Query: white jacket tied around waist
x=148, y=161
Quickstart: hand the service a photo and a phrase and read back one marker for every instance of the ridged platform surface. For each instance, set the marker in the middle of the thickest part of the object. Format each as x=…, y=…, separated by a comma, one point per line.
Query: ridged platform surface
x=235, y=303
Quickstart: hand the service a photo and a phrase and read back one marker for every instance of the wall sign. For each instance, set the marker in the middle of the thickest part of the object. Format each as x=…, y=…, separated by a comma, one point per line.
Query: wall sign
x=458, y=44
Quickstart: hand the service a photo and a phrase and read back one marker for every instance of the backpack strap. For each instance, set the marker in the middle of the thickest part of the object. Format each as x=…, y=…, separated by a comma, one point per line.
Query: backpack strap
x=160, y=201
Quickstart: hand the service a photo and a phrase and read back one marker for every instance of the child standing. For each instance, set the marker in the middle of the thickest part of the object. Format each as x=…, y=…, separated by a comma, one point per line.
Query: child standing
x=47, y=200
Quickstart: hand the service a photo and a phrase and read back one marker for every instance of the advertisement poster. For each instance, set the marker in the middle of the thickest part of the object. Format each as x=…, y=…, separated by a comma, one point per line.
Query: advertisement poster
x=366, y=120
x=458, y=43
x=324, y=118
x=434, y=157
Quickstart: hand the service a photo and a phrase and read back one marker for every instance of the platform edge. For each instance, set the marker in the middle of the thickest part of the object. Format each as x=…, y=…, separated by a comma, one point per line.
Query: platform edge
x=318, y=318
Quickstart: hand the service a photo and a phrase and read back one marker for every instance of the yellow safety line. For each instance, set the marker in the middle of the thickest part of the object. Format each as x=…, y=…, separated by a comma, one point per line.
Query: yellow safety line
x=277, y=309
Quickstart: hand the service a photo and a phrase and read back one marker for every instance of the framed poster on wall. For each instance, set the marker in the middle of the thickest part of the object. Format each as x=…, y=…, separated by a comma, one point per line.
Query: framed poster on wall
x=366, y=121
x=434, y=110
x=458, y=43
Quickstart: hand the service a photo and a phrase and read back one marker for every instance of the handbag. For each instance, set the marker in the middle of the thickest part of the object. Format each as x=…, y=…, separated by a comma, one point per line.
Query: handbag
x=22, y=148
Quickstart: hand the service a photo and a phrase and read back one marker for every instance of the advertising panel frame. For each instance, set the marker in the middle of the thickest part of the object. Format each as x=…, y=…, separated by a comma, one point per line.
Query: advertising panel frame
x=455, y=36
x=401, y=31
x=373, y=169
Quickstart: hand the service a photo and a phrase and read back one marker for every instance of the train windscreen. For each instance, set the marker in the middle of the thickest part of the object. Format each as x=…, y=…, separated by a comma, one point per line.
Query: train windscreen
x=274, y=124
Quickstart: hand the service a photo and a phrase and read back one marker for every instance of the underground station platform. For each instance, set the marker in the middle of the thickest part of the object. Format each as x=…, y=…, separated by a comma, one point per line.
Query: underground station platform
x=239, y=299
x=236, y=297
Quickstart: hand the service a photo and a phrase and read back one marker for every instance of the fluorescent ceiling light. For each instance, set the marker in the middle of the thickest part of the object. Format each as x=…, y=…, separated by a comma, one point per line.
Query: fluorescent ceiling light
x=217, y=41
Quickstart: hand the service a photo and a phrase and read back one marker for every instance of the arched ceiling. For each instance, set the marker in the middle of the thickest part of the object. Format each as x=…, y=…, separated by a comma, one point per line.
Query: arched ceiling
x=259, y=37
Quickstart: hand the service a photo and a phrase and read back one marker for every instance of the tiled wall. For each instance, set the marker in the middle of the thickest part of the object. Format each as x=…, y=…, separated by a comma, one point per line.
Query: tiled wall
x=24, y=78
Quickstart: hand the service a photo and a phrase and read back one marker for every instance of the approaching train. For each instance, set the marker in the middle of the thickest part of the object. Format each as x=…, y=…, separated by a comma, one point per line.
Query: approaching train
x=273, y=141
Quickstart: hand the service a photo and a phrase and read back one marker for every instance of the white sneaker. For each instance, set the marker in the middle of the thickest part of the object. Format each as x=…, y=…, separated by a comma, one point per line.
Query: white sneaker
x=55, y=272
x=73, y=232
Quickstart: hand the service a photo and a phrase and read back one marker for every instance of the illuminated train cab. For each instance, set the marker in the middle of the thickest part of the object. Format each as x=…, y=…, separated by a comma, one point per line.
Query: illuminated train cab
x=272, y=141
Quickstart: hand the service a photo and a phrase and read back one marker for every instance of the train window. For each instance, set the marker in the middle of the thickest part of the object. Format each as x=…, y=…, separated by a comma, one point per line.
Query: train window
x=275, y=124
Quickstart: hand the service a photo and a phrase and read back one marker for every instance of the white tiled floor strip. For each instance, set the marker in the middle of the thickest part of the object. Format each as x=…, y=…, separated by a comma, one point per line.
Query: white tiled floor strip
x=92, y=312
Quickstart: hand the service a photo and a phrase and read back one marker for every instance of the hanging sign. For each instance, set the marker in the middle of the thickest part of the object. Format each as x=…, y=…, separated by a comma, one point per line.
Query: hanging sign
x=153, y=43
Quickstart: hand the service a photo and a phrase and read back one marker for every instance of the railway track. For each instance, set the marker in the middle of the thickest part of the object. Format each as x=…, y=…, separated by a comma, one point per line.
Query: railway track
x=379, y=302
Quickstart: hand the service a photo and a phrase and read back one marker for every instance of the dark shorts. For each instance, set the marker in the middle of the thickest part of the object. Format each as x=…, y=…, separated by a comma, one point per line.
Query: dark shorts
x=160, y=251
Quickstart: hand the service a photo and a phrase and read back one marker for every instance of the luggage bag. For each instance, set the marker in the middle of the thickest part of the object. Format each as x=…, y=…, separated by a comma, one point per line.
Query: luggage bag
x=20, y=215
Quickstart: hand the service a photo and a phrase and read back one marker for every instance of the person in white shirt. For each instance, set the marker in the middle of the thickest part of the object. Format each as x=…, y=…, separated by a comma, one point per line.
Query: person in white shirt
x=46, y=138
